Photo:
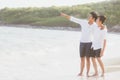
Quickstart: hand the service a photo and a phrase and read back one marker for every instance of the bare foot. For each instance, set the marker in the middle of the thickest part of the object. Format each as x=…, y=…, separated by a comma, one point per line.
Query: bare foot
x=88, y=75
x=80, y=74
x=102, y=75
x=94, y=75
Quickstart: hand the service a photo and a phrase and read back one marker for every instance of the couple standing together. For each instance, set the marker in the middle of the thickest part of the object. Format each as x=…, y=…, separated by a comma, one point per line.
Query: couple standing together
x=93, y=41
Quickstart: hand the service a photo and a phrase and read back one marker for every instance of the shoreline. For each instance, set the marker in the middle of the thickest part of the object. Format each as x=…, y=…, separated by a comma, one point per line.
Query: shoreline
x=113, y=31
x=41, y=27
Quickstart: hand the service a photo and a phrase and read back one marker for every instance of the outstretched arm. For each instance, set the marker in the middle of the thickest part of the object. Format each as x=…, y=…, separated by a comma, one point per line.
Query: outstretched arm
x=66, y=16
x=73, y=19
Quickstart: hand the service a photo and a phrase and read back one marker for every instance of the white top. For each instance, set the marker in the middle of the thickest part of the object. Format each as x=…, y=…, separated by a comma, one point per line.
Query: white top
x=99, y=37
x=86, y=29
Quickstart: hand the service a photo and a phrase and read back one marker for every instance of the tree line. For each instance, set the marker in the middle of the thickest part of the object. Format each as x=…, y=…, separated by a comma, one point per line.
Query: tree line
x=51, y=16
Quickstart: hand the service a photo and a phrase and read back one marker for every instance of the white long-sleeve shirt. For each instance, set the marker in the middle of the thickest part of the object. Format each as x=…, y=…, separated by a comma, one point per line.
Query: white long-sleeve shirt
x=86, y=29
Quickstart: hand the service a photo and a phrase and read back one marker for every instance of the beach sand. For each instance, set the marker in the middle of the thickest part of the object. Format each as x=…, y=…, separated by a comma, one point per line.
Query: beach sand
x=36, y=54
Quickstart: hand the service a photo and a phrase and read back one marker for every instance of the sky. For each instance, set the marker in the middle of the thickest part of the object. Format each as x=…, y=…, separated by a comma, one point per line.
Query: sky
x=42, y=3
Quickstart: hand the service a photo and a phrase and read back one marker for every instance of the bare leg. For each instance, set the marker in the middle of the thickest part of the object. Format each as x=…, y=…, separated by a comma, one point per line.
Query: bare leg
x=101, y=65
x=88, y=65
x=95, y=67
x=82, y=65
